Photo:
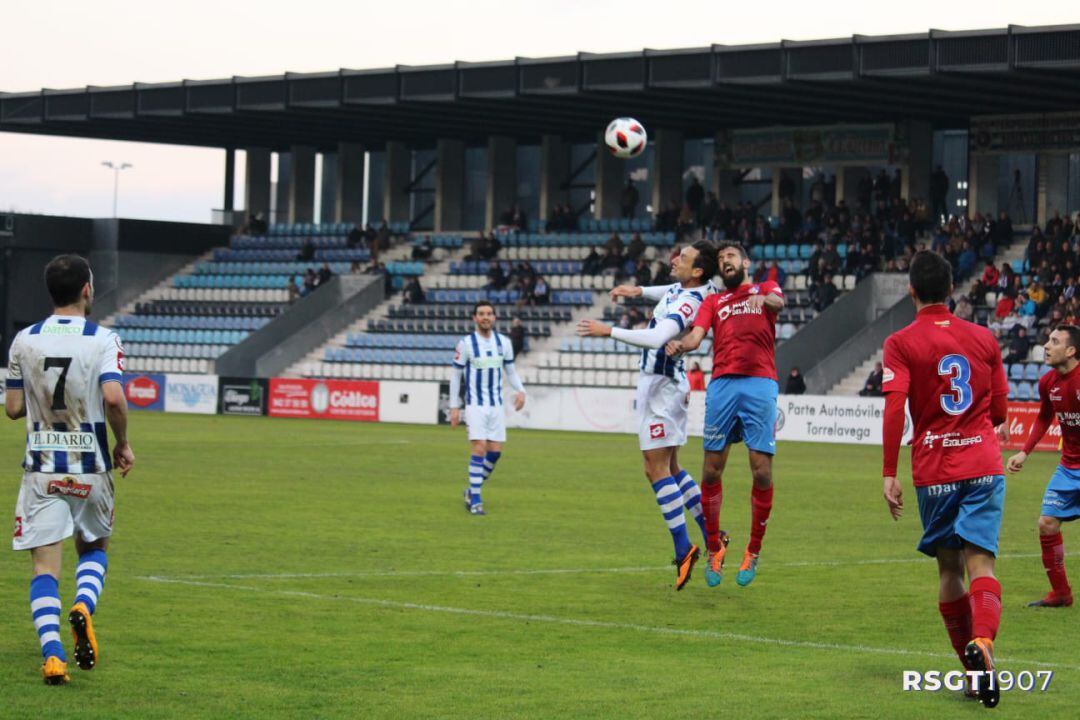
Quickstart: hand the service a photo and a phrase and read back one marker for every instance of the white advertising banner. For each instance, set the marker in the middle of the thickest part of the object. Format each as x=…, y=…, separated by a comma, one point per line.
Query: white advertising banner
x=191, y=393
x=409, y=402
x=581, y=409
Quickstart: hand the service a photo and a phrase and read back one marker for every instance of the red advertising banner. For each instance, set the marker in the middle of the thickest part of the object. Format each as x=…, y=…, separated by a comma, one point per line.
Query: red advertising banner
x=1021, y=418
x=330, y=399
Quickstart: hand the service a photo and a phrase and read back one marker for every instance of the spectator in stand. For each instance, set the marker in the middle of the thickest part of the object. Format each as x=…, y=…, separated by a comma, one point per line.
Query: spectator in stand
x=795, y=384
x=424, y=250
x=939, y=191
x=695, y=196
x=636, y=248
x=476, y=249
x=760, y=272
x=413, y=292
x=355, y=238
x=872, y=386
x=642, y=273
x=325, y=273
x=663, y=275
x=382, y=236
x=965, y=263
x=593, y=263
x=964, y=310
x=517, y=336
x=1005, y=305
x=307, y=251
x=257, y=224
x=776, y=274
x=614, y=243
x=696, y=377
x=310, y=281
x=629, y=199
x=496, y=277
x=1019, y=346
x=356, y=268
x=635, y=317
x=824, y=293
x=614, y=260
x=293, y=288
x=541, y=293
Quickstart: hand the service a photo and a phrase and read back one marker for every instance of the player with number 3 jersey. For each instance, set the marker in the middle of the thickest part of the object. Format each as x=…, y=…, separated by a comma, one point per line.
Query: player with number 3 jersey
x=950, y=374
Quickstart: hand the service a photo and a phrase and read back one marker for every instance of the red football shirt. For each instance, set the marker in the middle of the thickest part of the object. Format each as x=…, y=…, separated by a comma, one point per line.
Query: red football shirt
x=744, y=340
x=1060, y=395
x=949, y=369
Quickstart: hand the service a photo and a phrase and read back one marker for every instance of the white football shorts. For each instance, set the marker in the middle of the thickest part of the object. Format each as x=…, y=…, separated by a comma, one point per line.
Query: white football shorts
x=52, y=506
x=662, y=405
x=486, y=422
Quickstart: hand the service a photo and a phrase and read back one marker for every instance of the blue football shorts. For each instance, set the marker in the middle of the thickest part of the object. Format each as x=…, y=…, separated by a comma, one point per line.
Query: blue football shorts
x=741, y=409
x=1062, y=497
x=962, y=511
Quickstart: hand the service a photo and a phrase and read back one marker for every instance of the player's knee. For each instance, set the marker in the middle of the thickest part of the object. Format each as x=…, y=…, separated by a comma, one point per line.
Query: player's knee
x=762, y=478
x=1048, y=525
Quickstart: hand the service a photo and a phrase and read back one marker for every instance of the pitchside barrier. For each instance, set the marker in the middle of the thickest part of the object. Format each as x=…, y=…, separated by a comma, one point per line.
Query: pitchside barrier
x=806, y=418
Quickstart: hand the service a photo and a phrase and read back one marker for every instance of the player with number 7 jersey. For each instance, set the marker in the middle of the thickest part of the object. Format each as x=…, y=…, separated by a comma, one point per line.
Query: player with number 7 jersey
x=950, y=374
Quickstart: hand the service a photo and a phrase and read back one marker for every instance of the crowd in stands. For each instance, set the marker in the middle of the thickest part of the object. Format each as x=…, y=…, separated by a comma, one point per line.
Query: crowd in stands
x=1031, y=304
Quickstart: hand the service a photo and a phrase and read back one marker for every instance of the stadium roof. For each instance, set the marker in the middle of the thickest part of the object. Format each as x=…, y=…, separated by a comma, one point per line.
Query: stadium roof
x=940, y=77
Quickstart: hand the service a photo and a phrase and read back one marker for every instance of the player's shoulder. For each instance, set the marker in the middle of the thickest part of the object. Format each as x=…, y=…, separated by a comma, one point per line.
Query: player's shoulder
x=695, y=293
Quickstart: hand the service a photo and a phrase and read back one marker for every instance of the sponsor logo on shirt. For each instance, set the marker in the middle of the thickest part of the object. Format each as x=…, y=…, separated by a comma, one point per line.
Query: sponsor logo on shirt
x=50, y=441
x=741, y=308
x=656, y=431
x=686, y=311
x=69, y=488
x=1069, y=419
x=1055, y=394
x=950, y=440
x=18, y=526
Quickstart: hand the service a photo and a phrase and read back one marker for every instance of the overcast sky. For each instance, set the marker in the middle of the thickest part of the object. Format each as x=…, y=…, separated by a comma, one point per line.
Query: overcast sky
x=52, y=44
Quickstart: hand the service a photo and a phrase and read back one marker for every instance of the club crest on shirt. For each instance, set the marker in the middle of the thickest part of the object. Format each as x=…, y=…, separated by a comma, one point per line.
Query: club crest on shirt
x=755, y=290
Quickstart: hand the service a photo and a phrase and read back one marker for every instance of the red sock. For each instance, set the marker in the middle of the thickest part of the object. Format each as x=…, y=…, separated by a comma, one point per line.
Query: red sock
x=761, y=505
x=985, y=595
x=1053, y=557
x=712, y=497
x=957, y=617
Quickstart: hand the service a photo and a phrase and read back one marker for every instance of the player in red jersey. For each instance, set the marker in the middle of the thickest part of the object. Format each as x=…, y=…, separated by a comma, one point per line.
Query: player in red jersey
x=949, y=371
x=740, y=402
x=1059, y=390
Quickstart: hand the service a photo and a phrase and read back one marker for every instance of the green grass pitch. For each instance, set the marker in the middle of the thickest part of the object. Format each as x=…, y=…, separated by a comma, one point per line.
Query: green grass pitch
x=299, y=569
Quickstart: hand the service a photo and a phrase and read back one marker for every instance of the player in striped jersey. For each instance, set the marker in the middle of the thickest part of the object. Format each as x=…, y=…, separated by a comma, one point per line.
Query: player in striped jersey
x=663, y=390
x=481, y=359
x=65, y=378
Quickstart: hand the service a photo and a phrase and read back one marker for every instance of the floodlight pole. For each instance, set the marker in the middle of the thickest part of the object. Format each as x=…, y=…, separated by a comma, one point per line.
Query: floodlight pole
x=116, y=168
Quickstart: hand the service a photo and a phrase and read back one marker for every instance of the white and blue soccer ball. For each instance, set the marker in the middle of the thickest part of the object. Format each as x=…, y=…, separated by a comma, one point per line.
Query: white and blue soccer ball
x=626, y=137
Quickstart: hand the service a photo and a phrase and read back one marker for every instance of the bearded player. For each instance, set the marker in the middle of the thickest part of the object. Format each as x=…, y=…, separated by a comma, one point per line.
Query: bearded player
x=65, y=377
x=663, y=390
x=950, y=374
x=740, y=402
x=1059, y=391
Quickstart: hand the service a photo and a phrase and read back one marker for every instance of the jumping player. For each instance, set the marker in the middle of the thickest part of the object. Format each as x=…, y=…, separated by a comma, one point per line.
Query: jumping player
x=950, y=374
x=740, y=402
x=663, y=390
x=65, y=378
x=481, y=357
x=1059, y=392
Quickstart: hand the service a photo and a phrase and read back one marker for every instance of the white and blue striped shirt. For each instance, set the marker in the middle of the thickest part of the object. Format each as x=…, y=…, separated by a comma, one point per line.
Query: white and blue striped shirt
x=60, y=365
x=678, y=304
x=483, y=361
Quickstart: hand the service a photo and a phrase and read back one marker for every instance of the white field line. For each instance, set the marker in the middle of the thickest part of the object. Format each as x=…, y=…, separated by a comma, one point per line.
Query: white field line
x=600, y=624
x=557, y=571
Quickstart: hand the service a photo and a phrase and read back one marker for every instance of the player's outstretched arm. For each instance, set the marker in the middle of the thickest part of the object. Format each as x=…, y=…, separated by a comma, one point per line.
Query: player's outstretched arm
x=624, y=291
x=116, y=414
x=654, y=337
x=688, y=343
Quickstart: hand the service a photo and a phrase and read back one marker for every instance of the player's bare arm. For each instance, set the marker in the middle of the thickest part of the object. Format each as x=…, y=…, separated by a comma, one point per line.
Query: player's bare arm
x=116, y=414
x=1016, y=462
x=15, y=404
x=771, y=301
x=688, y=343
x=455, y=417
x=594, y=328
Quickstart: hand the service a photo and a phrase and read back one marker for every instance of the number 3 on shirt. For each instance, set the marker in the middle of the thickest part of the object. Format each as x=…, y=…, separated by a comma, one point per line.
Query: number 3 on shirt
x=958, y=370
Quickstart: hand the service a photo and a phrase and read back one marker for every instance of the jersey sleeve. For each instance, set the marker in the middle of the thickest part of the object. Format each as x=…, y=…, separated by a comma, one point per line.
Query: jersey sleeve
x=111, y=360
x=14, y=369
x=896, y=375
x=461, y=354
x=706, y=313
x=771, y=288
x=685, y=309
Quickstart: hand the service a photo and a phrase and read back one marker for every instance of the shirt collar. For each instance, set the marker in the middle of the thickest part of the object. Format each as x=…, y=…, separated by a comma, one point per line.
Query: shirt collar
x=934, y=312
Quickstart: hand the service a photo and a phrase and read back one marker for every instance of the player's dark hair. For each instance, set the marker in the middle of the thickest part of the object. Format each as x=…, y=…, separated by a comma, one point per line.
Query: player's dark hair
x=480, y=304
x=65, y=277
x=1074, y=337
x=724, y=245
x=930, y=276
x=707, y=259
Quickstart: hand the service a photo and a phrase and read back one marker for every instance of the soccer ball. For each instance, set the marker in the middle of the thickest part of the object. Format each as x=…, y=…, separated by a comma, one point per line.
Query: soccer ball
x=625, y=137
